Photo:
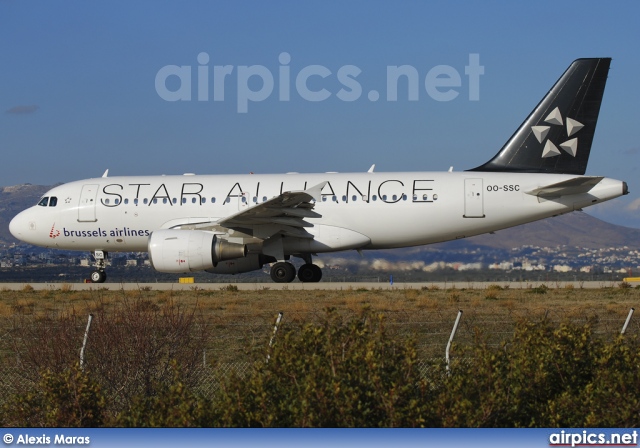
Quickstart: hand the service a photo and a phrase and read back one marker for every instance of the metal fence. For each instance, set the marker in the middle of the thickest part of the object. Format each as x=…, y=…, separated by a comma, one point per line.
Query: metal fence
x=232, y=336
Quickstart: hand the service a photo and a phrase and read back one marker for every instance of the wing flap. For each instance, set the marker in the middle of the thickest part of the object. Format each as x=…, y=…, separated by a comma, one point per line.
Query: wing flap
x=286, y=213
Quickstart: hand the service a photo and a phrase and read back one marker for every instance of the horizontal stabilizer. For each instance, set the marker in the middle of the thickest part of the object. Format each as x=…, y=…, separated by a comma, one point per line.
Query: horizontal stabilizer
x=577, y=185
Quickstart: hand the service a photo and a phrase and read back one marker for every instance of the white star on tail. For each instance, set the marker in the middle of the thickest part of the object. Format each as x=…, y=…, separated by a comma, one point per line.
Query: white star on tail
x=555, y=119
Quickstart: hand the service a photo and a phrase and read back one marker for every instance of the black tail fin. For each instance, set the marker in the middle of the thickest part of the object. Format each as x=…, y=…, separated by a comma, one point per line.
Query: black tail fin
x=557, y=136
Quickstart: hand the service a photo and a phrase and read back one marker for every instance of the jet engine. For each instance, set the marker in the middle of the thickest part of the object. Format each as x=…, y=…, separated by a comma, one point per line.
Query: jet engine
x=177, y=251
x=252, y=262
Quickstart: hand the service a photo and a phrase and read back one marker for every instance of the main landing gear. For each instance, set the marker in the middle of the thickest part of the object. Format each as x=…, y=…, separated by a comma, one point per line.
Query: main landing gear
x=99, y=275
x=285, y=272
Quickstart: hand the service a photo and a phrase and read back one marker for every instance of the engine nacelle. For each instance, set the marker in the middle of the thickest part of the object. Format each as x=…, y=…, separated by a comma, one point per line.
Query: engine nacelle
x=252, y=262
x=177, y=251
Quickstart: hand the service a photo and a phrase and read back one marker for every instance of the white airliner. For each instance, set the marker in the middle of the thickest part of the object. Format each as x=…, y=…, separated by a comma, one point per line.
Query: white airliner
x=237, y=223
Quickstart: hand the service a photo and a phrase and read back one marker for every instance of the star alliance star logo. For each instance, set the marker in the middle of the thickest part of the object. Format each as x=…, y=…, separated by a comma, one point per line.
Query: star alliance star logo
x=551, y=150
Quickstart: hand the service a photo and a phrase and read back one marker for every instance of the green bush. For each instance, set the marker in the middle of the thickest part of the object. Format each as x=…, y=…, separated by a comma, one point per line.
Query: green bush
x=357, y=373
x=611, y=398
x=64, y=399
x=544, y=377
x=337, y=373
x=174, y=405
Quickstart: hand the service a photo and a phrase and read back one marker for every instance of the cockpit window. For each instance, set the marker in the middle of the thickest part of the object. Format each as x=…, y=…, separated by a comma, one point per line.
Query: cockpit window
x=44, y=201
x=53, y=201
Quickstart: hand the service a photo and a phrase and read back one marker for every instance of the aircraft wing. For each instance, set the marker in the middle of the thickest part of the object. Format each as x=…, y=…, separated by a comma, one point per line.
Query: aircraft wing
x=577, y=185
x=284, y=214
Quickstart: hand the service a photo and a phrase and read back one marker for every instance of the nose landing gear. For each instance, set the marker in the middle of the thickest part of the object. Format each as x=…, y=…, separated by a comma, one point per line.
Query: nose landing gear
x=100, y=262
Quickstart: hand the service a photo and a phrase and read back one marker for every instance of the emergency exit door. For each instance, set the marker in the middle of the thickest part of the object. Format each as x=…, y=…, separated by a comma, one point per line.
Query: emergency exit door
x=473, y=198
x=87, y=207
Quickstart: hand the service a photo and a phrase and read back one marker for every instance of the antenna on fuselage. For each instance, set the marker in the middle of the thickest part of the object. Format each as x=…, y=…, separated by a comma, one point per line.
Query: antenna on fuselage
x=106, y=173
x=373, y=167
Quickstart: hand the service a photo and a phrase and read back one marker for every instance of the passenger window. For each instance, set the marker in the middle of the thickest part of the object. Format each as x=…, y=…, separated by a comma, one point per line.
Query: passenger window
x=175, y=200
x=344, y=198
x=193, y=200
x=44, y=202
x=213, y=200
x=264, y=199
x=106, y=201
x=146, y=201
x=395, y=197
x=116, y=201
x=384, y=197
x=184, y=200
x=155, y=200
x=424, y=197
x=374, y=197
x=53, y=201
x=435, y=197
x=335, y=198
x=164, y=200
x=354, y=198
x=203, y=200
x=135, y=201
x=404, y=197
x=324, y=199
x=126, y=201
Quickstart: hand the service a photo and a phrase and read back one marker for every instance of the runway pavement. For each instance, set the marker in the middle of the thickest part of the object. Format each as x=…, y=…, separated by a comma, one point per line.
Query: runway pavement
x=294, y=286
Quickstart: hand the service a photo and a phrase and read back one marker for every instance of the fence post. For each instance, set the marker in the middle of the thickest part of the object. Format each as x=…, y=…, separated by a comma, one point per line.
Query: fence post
x=626, y=323
x=84, y=342
x=275, y=331
x=453, y=333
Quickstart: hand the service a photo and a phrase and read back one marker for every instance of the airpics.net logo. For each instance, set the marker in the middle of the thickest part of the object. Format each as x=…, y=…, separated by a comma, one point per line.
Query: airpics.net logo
x=256, y=83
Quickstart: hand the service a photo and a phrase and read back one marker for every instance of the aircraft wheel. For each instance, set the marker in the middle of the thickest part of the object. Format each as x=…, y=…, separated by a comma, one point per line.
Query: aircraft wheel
x=98, y=277
x=306, y=273
x=309, y=273
x=283, y=272
x=317, y=273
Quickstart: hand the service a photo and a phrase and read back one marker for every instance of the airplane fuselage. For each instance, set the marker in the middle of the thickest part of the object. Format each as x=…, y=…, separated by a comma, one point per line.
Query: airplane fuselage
x=358, y=210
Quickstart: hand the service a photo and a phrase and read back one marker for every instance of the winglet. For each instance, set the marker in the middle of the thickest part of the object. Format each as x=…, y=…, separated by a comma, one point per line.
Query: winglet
x=316, y=191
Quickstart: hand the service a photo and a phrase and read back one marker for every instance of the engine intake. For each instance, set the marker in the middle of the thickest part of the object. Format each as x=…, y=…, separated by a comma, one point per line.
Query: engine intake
x=177, y=251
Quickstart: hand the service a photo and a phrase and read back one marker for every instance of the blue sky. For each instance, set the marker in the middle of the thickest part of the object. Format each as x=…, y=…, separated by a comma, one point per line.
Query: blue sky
x=79, y=90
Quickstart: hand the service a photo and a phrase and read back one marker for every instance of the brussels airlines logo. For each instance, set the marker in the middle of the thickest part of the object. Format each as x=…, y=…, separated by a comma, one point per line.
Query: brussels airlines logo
x=555, y=119
x=54, y=233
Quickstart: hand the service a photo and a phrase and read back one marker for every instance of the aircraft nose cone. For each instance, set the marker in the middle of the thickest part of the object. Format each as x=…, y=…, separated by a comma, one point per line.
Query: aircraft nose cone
x=18, y=226
x=14, y=227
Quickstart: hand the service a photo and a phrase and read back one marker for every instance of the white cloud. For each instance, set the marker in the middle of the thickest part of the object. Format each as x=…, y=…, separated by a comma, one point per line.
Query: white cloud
x=633, y=206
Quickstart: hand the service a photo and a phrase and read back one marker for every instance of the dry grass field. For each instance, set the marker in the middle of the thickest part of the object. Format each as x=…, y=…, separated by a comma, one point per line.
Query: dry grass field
x=240, y=322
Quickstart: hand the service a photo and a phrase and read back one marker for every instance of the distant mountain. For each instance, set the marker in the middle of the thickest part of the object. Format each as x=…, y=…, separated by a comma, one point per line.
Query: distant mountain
x=574, y=229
